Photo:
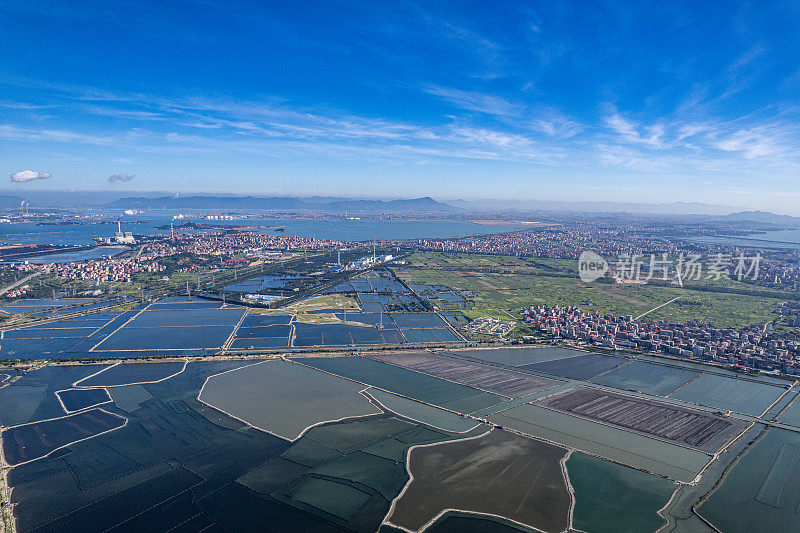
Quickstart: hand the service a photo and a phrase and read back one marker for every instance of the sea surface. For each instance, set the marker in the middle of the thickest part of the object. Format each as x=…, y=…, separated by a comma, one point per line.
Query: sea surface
x=785, y=239
x=339, y=229
x=80, y=255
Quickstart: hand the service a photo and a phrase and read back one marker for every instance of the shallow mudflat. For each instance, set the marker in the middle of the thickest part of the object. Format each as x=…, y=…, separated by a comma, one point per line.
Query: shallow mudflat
x=285, y=398
x=498, y=473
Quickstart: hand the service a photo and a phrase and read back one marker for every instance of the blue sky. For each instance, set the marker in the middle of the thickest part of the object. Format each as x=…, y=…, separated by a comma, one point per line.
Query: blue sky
x=619, y=101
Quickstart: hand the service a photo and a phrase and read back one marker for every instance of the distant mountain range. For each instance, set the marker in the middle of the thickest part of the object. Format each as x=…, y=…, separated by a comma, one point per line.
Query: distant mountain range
x=763, y=216
x=277, y=203
x=155, y=200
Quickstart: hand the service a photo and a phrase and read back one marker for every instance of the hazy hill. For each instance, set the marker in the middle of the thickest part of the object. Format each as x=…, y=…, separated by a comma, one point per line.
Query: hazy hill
x=674, y=208
x=338, y=205
x=10, y=202
x=426, y=204
x=764, y=217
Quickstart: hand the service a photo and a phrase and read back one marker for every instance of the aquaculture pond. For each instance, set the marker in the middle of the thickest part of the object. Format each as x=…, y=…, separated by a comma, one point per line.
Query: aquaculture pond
x=611, y=497
x=649, y=378
x=616, y=444
x=579, y=367
x=127, y=373
x=41, y=304
x=763, y=486
x=415, y=385
x=307, y=444
x=285, y=398
x=741, y=395
x=520, y=356
x=78, y=399
x=497, y=474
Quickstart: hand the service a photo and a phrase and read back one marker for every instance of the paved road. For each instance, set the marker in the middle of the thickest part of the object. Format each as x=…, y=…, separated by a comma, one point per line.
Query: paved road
x=20, y=282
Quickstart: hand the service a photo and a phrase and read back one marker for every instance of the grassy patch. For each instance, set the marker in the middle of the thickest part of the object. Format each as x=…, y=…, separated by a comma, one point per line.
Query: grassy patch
x=316, y=303
x=500, y=286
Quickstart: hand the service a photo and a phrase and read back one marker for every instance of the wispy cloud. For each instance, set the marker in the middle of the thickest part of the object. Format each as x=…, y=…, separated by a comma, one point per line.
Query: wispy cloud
x=476, y=101
x=712, y=144
x=756, y=143
x=120, y=177
x=632, y=132
x=482, y=127
x=540, y=119
x=217, y=125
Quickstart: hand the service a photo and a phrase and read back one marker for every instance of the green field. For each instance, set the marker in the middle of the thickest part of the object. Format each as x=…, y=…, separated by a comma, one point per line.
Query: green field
x=501, y=285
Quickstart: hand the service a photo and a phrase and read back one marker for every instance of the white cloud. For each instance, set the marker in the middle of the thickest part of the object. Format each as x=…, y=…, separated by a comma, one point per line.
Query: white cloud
x=120, y=177
x=29, y=175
